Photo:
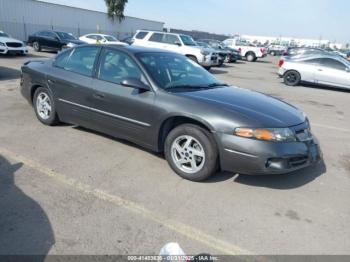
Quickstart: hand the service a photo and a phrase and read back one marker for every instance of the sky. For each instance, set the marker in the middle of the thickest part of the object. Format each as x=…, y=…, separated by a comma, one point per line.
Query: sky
x=317, y=19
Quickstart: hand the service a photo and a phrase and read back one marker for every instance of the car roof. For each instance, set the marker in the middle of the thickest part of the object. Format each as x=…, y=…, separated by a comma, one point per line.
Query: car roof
x=129, y=48
x=316, y=56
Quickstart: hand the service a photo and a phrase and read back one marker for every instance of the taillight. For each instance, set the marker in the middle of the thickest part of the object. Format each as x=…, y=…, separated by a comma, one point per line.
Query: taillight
x=240, y=50
x=280, y=63
x=262, y=50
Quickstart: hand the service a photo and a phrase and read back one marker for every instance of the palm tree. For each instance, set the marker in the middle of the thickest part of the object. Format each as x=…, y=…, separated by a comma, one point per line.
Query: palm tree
x=115, y=9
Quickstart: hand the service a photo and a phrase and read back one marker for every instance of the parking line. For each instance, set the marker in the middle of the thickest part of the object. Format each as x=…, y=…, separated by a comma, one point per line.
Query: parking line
x=331, y=127
x=180, y=228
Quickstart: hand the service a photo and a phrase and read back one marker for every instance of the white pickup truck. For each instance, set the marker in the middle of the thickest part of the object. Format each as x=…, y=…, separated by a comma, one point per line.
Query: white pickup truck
x=249, y=51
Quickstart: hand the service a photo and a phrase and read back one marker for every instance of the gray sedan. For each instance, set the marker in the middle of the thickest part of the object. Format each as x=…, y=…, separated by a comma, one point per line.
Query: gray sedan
x=165, y=102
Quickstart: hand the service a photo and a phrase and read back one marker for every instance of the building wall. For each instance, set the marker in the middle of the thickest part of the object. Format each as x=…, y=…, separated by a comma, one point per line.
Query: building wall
x=21, y=18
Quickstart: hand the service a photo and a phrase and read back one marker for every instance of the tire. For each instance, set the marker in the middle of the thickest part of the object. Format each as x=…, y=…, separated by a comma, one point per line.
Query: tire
x=44, y=107
x=250, y=56
x=201, y=164
x=37, y=46
x=292, y=78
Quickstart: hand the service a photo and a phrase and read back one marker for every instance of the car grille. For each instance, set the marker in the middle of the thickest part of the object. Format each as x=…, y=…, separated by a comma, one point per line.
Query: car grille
x=13, y=44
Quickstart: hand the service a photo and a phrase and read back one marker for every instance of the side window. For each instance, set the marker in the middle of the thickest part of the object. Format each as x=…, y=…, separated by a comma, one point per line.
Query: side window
x=316, y=61
x=82, y=60
x=49, y=34
x=171, y=39
x=62, y=59
x=117, y=66
x=98, y=37
x=141, y=35
x=91, y=37
x=157, y=37
x=331, y=63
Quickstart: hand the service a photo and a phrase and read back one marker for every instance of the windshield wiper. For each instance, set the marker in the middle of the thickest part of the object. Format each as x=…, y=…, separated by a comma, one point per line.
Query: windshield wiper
x=212, y=85
x=217, y=84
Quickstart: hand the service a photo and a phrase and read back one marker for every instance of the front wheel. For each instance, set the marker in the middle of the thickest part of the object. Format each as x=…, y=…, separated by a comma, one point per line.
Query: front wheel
x=292, y=78
x=44, y=107
x=191, y=152
x=37, y=46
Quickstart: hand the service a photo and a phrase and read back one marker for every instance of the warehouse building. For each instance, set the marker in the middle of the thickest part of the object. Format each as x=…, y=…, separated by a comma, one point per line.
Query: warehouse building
x=21, y=18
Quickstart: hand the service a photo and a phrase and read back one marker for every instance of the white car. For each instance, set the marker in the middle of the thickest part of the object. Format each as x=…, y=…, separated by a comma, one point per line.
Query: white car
x=249, y=51
x=321, y=69
x=178, y=43
x=9, y=45
x=100, y=39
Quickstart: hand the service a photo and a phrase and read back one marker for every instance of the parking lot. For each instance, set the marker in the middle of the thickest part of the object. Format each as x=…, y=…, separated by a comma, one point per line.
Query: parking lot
x=68, y=190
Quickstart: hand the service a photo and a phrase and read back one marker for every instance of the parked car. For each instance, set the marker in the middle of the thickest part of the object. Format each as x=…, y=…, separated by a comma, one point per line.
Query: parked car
x=100, y=39
x=52, y=40
x=235, y=54
x=128, y=40
x=9, y=45
x=320, y=69
x=303, y=51
x=348, y=56
x=178, y=43
x=222, y=55
x=276, y=50
x=249, y=51
x=165, y=102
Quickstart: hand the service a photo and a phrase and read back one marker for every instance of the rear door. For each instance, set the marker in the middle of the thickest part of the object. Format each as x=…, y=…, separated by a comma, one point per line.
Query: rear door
x=71, y=82
x=51, y=40
x=156, y=41
x=333, y=72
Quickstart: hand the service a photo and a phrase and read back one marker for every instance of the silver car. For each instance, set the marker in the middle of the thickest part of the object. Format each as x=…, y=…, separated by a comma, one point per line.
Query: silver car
x=321, y=69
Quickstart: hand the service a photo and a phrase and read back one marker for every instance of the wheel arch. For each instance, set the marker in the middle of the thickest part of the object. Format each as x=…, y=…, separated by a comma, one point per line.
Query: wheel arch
x=172, y=122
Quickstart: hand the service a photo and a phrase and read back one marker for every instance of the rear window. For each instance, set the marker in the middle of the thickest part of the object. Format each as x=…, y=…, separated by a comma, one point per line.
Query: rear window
x=82, y=60
x=141, y=35
x=62, y=58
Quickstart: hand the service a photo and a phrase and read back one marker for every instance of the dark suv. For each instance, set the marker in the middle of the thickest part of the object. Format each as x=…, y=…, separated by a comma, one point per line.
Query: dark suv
x=52, y=40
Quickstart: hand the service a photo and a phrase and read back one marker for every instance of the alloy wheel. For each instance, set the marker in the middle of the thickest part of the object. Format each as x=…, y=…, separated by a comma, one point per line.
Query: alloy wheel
x=43, y=106
x=188, y=154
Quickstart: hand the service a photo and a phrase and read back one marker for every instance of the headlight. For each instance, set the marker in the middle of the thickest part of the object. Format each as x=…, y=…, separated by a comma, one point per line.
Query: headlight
x=267, y=134
x=71, y=45
x=204, y=52
x=2, y=44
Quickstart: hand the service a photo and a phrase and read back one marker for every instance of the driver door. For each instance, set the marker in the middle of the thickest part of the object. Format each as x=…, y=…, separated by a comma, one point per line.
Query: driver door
x=333, y=72
x=123, y=111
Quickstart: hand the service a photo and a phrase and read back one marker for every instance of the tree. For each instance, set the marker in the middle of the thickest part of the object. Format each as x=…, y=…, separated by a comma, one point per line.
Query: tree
x=115, y=9
x=347, y=46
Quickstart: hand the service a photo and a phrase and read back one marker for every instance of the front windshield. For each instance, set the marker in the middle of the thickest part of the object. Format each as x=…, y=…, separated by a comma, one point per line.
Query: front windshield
x=111, y=38
x=176, y=73
x=2, y=34
x=63, y=35
x=187, y=40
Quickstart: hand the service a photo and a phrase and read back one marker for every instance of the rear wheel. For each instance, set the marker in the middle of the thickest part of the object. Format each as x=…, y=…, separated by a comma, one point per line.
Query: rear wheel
x=37, y=46
x=191, y=152
x=273, y=53
x=193, y=58
x=292, y=78
x=44, y=107
x=250, y=56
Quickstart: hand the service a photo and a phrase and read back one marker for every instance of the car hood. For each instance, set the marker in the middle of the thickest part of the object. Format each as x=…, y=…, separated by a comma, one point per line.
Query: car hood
x=255, y=107
x=9, y=39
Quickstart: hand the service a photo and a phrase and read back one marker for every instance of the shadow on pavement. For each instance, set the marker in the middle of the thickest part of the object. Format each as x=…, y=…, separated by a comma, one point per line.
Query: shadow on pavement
x=24, y=227
x=217, y=71
x=9, y=73
x=288, y=181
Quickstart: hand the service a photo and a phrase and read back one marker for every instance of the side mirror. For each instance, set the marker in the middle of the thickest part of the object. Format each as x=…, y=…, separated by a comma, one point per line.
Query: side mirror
x=135, y=83
x=178, y=43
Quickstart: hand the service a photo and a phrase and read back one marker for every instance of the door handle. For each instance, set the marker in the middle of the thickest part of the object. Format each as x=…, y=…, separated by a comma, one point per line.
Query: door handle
x=99, y=96
x=51, y=81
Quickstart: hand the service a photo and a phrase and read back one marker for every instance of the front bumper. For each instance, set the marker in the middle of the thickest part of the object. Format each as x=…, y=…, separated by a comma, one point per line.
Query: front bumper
x=208, y=60
x=13, y=50
x=254, y=157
